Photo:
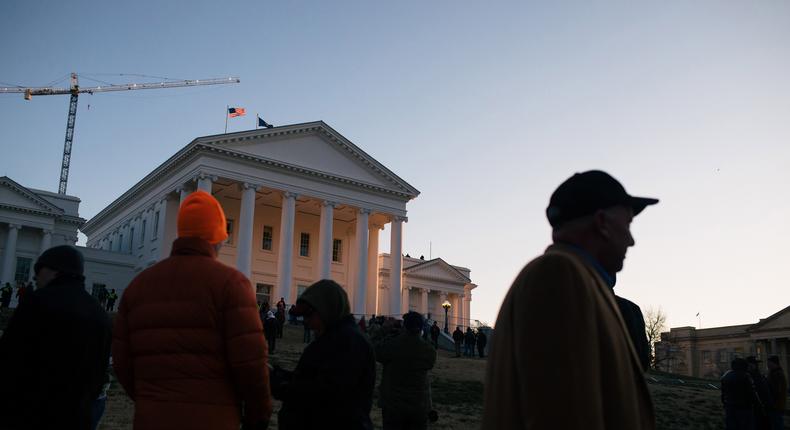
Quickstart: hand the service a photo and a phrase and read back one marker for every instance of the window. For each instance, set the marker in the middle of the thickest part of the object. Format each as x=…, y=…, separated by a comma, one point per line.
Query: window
x=267, y=238
x=229, y=229
x=705, y=356
x=142, y=234
x=263, y=293
x=120, y=243
x=131, y=240
x=304, y=245
x=300, y=289
x=22, y=272
x=156, y=225
x=337, y=250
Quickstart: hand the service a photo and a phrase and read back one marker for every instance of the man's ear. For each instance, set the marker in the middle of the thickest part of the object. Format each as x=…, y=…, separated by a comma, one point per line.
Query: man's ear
x=601, y=222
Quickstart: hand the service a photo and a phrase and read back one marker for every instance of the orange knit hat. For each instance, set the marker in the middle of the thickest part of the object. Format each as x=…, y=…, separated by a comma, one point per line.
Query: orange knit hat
x=201, y=216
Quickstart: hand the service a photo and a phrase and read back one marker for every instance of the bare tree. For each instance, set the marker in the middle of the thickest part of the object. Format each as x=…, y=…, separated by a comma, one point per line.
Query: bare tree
x=655, y=323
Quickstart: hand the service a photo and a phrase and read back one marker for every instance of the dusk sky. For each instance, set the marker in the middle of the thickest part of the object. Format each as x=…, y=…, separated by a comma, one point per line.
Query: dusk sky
x=485, y=107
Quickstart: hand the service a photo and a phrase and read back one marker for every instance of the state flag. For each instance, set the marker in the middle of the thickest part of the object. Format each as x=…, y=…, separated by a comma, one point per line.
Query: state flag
x=262, y=123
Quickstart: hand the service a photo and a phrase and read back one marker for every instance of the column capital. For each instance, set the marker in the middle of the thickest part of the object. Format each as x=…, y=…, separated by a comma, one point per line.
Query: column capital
x=364, y=211
x=179, y=189
x=14, y=226
x=329, y=203
x=46, y=231
x=249, y=185
x=376, y=226
x=289, y=195
x=202, y=175
x=399, y=218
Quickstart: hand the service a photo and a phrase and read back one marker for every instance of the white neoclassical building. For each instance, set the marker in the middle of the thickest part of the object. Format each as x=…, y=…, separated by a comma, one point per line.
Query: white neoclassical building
x=303, y=203
x=33, y=220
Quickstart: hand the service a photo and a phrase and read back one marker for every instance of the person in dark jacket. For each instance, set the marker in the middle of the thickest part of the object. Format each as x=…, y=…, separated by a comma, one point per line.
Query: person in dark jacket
x=738, y=397
x=764, y=400
x=777, y=382
x=405, y=398
x=112, y=296
x=469, y=342
x=458, y=338
x=270, y=330
x=482, y=341
x=435, y=330
x=5, y=295
x=55, y=349
x=332, y=385
x=635, y=323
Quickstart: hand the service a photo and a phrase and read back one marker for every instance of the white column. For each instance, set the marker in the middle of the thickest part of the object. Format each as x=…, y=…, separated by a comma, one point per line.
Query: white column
x=373, y=268
x=9, y=253
x=205, y=182
x=461, y=316
x=467, y=304
x=404, y=303
x=360, y=290
x=325, y=240
x=46, y=241
x=285, y=258
x=396, y=265
x=424, y=302
x=182, y=194
x=246, y=221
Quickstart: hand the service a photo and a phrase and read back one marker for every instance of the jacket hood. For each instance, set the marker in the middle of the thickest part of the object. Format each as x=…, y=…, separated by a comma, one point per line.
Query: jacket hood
x=328, y=299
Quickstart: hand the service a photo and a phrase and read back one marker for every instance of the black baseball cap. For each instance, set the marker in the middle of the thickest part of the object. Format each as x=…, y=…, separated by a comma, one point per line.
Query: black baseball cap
x=584, y=193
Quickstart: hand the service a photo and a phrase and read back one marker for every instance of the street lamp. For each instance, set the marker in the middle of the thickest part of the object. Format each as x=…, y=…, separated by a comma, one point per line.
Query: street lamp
x=446, y=305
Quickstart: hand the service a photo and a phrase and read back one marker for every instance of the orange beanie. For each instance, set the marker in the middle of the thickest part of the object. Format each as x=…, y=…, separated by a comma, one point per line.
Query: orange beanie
x=201, y=216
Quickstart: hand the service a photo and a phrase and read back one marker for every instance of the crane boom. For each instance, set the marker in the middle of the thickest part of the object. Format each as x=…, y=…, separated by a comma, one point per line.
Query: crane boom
x=75, y=90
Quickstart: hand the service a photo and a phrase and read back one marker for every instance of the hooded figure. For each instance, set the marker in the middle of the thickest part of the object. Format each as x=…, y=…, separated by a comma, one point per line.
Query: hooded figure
x=188, y=345
x=55, y=350
x=332, y=385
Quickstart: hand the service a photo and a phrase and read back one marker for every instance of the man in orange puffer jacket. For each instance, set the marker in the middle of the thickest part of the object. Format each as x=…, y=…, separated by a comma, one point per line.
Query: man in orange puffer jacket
x=188, y=345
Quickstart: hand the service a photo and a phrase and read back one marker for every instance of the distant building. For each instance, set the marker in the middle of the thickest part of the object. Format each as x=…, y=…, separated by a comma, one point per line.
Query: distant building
x=707, y=353
x=32, y=221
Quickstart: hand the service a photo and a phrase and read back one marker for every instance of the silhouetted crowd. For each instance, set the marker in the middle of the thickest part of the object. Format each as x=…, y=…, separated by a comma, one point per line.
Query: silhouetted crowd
x=190, y=344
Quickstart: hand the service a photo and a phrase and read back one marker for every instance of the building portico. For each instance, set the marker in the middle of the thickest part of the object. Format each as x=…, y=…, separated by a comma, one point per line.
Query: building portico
x=302, y=204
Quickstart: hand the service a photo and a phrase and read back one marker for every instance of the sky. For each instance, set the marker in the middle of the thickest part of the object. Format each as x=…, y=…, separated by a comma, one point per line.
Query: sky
x=485, y=107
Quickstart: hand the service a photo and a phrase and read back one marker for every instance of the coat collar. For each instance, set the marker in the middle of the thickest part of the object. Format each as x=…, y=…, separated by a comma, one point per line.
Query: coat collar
x=193, y=246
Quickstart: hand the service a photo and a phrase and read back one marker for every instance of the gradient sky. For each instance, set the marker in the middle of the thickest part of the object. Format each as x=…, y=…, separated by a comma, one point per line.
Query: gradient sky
x=485, y=107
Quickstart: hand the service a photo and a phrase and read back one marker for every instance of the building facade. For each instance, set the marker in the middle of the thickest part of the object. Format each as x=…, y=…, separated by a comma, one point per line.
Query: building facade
x=302, y=203
x=707, y=353
x=32, y=221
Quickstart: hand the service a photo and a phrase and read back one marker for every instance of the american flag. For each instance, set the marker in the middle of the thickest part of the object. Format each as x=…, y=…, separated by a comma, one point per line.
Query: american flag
x=235, y=111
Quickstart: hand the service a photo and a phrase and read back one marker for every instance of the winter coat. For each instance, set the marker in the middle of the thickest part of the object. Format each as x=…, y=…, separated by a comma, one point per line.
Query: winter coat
x=778, y=383
x=332, y=385
x=458, y=336
x=482, y=339
x=469, y=338
x=560, y=357
x=635, y=322
x=54, y=355
x=435, y=330
x=405, y=389
x=737, y=391
x=188, y=345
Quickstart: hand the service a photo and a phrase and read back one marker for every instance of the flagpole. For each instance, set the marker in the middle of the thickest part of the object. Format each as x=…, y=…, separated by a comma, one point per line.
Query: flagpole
x=256, y=120
x=226, y=118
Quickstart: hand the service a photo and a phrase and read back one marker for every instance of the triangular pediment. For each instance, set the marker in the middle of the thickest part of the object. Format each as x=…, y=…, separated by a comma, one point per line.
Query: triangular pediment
x=317, y=147
x=16, y=196
x=777, y=321
x=437, y=269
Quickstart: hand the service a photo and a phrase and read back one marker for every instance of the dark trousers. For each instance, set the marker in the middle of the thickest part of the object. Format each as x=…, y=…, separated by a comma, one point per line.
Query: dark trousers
x=458, y=349
x=392, y=421
x=777, y=420
x=435, y=343
x=738, y=419
x=272, y=340
x=481, y=350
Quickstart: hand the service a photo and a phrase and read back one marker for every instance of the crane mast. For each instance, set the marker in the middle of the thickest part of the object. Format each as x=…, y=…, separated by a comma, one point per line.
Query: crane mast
x=74, y=90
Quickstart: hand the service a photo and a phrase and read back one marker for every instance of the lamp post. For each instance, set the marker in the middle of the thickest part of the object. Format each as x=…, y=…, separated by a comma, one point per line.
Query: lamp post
x=446, y=305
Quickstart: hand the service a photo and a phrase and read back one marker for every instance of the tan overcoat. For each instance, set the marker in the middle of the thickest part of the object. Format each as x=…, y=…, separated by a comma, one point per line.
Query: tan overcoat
x=560, y=356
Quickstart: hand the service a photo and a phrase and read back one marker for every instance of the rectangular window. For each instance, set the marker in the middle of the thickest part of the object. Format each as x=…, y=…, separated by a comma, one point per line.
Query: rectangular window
x=304, y=245
x=705, y=356
x=337, y=250
x=156, y=224
x=268, y=234
x=22, y=272
x=300, y=289
x=229, y=229
x=131, y=240
x=142, y=234
x=263, y=293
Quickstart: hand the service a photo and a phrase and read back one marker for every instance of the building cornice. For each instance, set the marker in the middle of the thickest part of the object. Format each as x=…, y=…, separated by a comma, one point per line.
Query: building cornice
x=47, y=207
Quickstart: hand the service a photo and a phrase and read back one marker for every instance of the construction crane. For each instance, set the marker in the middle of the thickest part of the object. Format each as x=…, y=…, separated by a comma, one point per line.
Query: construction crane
x=75, y=90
